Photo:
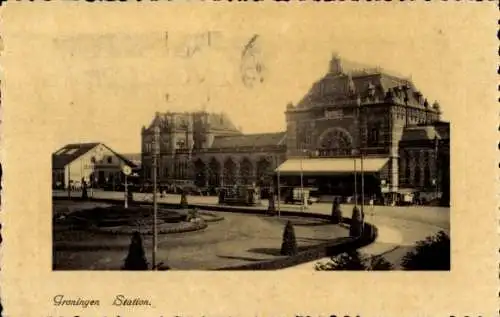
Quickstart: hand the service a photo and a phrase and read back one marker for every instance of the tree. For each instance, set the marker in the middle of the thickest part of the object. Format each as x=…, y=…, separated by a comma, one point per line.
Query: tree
x=356, y=227
x=336, y=212
x=289, y=244
x=431, y=254
x=354, y=261
x=136, y=258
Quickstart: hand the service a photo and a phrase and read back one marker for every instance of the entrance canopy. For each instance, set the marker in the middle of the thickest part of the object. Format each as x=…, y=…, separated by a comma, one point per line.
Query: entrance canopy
x=330, y=166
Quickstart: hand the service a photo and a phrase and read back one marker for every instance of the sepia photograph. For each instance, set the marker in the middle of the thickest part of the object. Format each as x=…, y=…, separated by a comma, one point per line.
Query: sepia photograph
x=357, y=178
x=304, y=159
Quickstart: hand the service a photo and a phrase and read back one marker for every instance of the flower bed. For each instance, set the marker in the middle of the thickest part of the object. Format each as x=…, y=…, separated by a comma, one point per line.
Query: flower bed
x=116, y=216
x=165, y=228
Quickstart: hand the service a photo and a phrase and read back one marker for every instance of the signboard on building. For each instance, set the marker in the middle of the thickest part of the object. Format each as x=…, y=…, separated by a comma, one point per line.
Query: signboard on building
x=334, y=114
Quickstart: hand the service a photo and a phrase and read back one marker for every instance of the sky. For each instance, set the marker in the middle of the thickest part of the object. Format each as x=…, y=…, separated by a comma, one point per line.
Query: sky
x=101, y=76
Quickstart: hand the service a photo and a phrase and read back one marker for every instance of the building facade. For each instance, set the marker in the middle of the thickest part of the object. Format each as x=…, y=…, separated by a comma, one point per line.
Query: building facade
x=354, y=121
x=94, y=163
x=206, y=149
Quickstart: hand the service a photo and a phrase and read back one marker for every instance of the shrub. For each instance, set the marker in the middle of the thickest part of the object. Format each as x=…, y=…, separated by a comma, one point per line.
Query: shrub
x=356, y=227
x=354, y=261
x=162, y=267
x=184, y=202
x=136, y=258
x=289, y=244
x=433, y=253
x=369, y=232
x=379, y=263
x=336, y=212
x=192, y=214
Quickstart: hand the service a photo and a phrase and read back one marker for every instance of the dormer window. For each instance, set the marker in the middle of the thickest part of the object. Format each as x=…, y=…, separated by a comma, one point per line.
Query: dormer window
x=371, y=89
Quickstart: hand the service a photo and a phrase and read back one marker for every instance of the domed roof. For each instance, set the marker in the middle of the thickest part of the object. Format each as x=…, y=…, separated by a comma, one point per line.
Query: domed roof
x=345, y=80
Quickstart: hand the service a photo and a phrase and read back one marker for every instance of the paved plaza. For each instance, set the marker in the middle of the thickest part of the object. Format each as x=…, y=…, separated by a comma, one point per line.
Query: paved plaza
x=399, y=227
x=238, y=239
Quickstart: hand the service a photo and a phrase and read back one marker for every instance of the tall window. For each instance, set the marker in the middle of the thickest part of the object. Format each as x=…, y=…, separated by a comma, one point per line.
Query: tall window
x=417, y=175
x=408, y=168
x=374, y=134
x=427, y=169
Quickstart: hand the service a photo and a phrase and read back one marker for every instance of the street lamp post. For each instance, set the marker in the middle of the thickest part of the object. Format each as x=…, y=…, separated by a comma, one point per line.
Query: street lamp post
x=355, y=180
x=362, y=183
x=155, y=203
x=302, y=198
x=69, y=182
x=279, y=187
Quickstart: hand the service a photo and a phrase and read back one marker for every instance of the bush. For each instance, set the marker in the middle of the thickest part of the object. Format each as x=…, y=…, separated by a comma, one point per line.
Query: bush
x=369, y=232
x=433, y=253
x=136, y=258
x=378, y=263
x=289, y=245
x=184, y=202
x=162, y=267
x=354, y=261
x=356, y=227
x=336, y=212
x=192, y=214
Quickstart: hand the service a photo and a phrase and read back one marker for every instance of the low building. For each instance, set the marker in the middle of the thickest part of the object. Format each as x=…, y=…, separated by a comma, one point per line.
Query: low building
x=207, y=149
x=93, y=163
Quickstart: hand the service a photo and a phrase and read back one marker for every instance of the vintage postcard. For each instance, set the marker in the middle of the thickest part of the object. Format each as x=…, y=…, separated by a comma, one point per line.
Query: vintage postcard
x=249, y=159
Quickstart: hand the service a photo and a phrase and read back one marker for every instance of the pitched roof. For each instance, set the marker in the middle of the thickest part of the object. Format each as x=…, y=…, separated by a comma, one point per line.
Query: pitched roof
x=420, y=133
x=215, y=121
x=345, y=81
x=249, y=140
x=135, y=158
x=71, y=152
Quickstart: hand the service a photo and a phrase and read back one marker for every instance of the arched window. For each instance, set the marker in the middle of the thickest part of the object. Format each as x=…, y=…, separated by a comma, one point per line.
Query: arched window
x=214, y=169
x=374, y=134
x=200, y=168
x=335, y=142
x=407, y=168
x=427, y=170
x=246, y=171
x=417, y=178
x=229, y=172
x=264, y=170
